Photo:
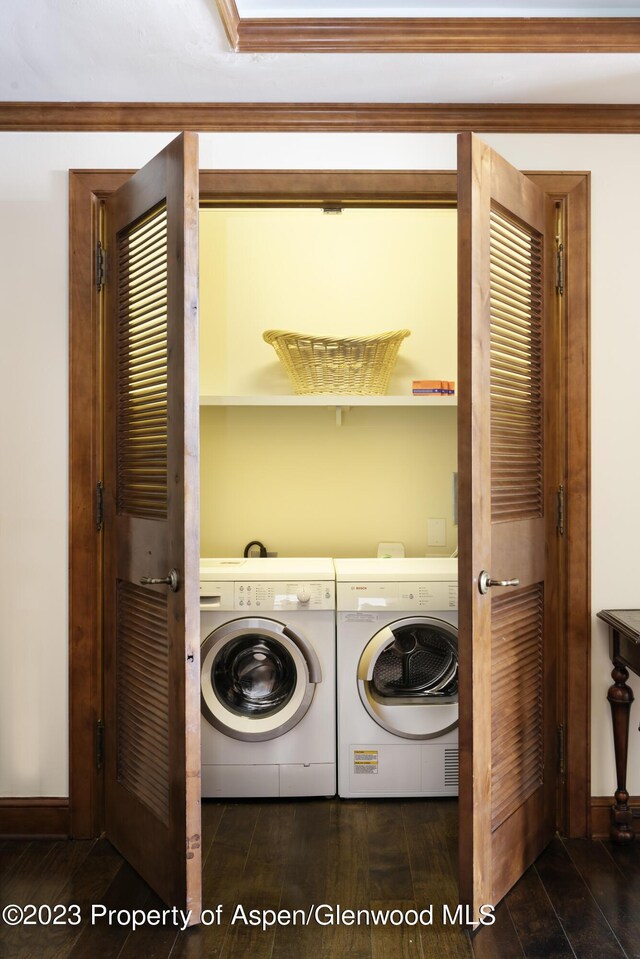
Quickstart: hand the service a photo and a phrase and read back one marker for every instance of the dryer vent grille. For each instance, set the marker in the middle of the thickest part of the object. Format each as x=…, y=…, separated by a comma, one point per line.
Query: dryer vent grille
x=451, y=767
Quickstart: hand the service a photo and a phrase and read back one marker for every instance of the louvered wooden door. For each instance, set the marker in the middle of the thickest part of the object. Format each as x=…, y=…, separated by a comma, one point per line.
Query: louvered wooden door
x=506, y=467
x=152, y=635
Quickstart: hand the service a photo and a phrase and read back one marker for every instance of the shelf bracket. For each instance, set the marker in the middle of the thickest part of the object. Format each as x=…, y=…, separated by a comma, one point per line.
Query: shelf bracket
x=339, y=411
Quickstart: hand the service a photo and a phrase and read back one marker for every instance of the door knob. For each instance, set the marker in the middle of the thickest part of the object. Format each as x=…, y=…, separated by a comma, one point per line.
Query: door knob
x=485, y=581
x=172, y=580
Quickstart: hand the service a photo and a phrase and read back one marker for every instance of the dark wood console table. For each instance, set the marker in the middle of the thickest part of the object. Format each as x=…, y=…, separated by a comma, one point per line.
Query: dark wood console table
x=624, y=647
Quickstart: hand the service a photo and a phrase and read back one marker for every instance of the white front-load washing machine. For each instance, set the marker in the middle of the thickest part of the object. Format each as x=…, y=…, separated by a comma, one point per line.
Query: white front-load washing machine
x=397, y=665
x=268, y=677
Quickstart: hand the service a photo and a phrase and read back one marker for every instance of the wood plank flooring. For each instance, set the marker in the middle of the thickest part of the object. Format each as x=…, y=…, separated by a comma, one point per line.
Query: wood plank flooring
x=581, y=899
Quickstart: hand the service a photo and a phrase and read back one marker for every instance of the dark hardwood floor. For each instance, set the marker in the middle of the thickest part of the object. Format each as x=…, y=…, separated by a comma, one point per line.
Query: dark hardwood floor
x=581, y=899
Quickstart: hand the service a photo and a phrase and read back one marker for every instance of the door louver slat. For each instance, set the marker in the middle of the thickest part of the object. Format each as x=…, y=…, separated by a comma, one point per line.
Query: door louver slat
x=142, y=744
x=142, y=369
x=516, y=370
x=517, y=688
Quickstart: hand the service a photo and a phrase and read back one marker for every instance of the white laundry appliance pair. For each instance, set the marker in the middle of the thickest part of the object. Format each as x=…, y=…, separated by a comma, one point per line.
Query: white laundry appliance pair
x=273, y=640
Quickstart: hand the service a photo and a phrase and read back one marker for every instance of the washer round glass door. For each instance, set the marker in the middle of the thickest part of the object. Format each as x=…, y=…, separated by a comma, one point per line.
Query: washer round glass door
x=408, y=677
x=257, y=678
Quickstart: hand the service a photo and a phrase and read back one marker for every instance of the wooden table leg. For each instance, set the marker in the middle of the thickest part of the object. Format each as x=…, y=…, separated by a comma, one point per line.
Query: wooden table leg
x=620, y=697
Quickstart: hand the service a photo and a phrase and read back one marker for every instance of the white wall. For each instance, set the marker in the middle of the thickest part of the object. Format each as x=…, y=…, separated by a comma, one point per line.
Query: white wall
x=33, y=397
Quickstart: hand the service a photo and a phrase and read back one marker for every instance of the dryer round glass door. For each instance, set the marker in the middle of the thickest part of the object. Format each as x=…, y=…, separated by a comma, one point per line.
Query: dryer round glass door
x=257, y=678
x=408, y=677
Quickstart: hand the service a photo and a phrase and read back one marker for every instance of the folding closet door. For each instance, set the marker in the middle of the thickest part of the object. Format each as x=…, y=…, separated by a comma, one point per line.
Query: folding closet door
x=151, y=524
x=507, y=567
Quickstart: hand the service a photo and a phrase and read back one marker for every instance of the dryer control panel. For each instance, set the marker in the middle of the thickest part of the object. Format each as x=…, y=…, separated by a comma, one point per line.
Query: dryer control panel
x=397, y=596
x=260, y=596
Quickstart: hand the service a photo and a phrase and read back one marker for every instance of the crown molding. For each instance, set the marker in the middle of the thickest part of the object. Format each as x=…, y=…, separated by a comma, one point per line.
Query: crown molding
x=430, y=34
x=323, y=117
x=230, y=19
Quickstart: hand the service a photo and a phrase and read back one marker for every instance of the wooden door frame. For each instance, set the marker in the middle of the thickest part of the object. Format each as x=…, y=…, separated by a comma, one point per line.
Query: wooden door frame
x=87, y=190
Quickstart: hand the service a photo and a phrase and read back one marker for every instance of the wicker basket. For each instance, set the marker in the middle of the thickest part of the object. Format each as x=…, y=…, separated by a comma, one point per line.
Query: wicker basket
x=325, y=364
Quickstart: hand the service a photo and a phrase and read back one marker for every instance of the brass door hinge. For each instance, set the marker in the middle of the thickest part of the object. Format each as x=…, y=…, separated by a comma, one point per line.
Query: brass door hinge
x=100, y=266
x=561, y=751
x=559, y=249
x=99, y=505
x=560, y=510
x=559, y=266
x=99, y=744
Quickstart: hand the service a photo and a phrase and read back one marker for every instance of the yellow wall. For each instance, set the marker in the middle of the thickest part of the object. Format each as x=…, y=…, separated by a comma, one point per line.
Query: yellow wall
x=305, y=487
x=355, y=273
x=289, y=476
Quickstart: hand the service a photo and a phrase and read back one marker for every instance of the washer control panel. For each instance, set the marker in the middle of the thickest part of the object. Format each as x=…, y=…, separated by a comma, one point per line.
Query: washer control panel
x=302, y=594
x=257, y=596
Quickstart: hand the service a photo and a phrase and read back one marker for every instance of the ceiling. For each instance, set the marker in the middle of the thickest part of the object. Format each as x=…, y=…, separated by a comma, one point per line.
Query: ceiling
x=177, y=50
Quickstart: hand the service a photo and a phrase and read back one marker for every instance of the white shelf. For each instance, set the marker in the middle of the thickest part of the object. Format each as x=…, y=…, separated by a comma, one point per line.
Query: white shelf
x=331, y=400
x=341, y=403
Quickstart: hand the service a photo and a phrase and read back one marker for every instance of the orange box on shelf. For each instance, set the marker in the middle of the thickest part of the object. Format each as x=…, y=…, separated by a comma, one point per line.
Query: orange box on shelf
x=420, y=387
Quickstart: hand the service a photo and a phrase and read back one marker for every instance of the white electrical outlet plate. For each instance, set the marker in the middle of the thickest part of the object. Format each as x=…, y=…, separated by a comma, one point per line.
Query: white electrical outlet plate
x=436, y=532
